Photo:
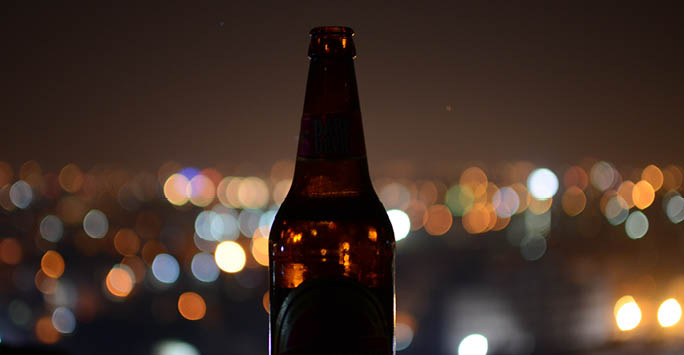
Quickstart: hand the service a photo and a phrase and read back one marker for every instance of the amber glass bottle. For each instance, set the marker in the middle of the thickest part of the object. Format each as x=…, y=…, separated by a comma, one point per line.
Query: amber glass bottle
x=331, y=245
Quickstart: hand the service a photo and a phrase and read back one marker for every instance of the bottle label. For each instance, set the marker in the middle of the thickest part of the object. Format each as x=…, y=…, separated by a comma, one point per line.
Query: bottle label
x=331, y=135
x=332, y=316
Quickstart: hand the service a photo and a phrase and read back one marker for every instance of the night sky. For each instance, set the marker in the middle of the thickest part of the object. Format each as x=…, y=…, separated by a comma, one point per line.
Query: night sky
x=223, y=82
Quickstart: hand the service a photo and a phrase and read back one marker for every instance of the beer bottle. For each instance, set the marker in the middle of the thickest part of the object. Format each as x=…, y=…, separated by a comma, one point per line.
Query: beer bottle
x=331, y=246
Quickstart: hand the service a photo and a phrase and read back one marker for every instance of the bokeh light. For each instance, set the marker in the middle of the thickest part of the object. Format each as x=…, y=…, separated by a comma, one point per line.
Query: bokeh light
x=654, y=176
x=602, y=175
x=71, y=178
x=478, y=219
x=52, y=264
x=439, y=220
x=674, y=208
x=460, y=199
x=627, y=313
x=51, y=228
x=63, y=320
x=636, y=225
x=672, y=177
x=11, y=251
x=126, y=242
x=45, y=284
x=542, y=184
x=260, y=248
x=473, y=344
x=506, y=202
x=174, y=347
x=575, y=176
x=165, y=268
x=394, y=196
x=119, y=281
x=626, y=192
x=669, y=313
x=401, y=224
x=533, y=247
x=21, y=194
x=45, y=331
x=537, y=206
x=176, y=188
x=280, y=190
x=253, y=193
x=230, y=257
x=201, y=190
x=191, y=306
x=573, y=201
x=643, y=194
x=95, y=224
x=204, y=267
x=404, y=336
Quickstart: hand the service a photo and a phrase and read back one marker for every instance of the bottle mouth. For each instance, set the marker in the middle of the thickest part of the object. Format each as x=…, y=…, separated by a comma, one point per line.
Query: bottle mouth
x=341, y=30
x=332, y=41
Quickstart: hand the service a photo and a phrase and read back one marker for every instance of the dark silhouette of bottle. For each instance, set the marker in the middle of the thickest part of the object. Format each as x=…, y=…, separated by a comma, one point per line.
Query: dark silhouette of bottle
x=331, y=245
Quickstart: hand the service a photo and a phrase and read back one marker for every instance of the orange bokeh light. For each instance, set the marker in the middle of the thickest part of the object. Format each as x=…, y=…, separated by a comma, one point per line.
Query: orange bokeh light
x=52, y=264
x=643, y=194
x=119, y=282
x=46, y=332
x=439, y=220
x=192, y=306
x=10, y=251
x=126, y=242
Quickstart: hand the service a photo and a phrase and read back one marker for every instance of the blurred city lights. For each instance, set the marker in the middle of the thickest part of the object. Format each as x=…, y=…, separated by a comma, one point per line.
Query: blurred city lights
x=459, y=199
x=71, y=178
x=248, y=221
x=45, y=331
x=10, y=251
x=126, y=242
x=52, y=264
x=674, y=208
x=473, y=344
x=119, y=281
x=439, y=220
x=204, y=267
x=230, y=257
x=95, y=224
x=165, y=268
x=643, y=194
x=21, y=194
x=654, y=176
x=201, y=190
x=260, y=248
x=51, y=228
x=400, y=223
x=573, y=201
x=394, y=196
x=627, y=313
x=253, y=193
x=63, y=320
x=176, y=188
x=404, y=336
x=669, y=313
x=636, y=225
x=191, y=306
x=602, y=175
x=533, y=247
x=506, y=202
x=542, y=184
x=174, y=347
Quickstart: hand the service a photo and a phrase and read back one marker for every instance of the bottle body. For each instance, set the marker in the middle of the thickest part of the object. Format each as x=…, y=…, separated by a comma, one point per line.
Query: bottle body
x=331, y=245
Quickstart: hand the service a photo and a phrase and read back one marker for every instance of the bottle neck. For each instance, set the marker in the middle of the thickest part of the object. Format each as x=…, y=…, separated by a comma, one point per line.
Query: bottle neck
x=331, y=157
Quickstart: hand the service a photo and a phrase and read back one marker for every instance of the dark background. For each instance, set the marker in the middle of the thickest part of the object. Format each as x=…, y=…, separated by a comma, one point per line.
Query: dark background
x=443, y=85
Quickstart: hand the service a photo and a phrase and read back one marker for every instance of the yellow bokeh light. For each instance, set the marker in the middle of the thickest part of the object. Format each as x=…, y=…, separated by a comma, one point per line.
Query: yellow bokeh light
x=654, y=176
x=52, y=264
x=260, y=248
x=192, y=306
x=119, y=282
x=627, y=313
x=475, y=179
x=230, y=257
x=643, y=194
x=253, y=192
x=175, y=189
x=573, y=201
x=669, y=313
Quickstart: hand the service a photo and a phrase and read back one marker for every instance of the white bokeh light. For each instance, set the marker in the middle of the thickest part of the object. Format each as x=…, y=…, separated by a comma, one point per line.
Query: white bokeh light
x=473, y=344
x=542, y=184
x=401, y=224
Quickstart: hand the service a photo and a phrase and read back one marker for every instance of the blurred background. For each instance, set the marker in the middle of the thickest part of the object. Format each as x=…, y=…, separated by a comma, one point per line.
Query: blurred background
x=529, y=156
